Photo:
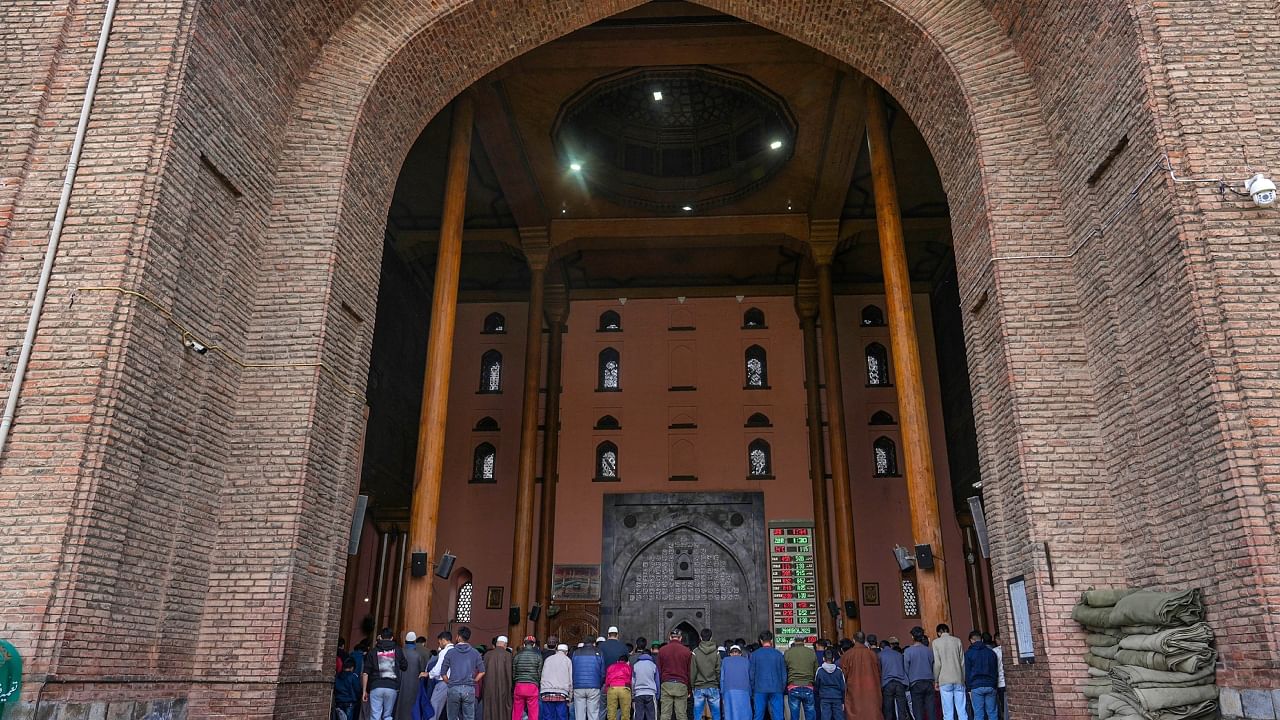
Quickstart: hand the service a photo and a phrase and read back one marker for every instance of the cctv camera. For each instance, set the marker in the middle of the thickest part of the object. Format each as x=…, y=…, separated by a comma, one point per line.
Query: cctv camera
x=905, y=560
x=1261, y=189
x=199, y=347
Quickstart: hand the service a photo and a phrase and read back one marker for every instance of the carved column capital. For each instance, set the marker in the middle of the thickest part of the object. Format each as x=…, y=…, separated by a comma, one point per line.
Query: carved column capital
x=536, y=244
x=807, y=298
x=824, y=237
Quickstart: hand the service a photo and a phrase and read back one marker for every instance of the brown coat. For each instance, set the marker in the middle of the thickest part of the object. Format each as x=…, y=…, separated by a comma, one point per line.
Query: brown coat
x=497, y=690
x=861, y=670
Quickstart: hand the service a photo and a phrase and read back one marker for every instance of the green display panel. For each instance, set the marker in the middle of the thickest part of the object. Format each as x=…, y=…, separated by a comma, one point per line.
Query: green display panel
x=793, y=581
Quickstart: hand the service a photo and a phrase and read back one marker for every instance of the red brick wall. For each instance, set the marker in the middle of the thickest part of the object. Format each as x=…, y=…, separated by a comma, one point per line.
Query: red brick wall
x=172, y=511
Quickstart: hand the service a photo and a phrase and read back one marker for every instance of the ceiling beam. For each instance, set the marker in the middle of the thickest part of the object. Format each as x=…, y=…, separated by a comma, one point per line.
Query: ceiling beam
x=505, y=149
x=790, y=225
x=845, y=132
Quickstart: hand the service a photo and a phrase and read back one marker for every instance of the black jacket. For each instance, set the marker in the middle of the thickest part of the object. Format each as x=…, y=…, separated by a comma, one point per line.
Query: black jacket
x=383, y=664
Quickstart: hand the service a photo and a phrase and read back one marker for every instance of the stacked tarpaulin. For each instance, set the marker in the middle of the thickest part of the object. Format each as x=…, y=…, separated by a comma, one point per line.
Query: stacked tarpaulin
x=1150, y=655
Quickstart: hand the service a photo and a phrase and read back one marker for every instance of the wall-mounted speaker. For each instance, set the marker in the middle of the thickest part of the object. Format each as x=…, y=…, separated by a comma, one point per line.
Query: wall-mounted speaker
x=513, y=616
x=418, y=564
x=445, y=567
x=851, y=608
x=924, y=557
x=833, y=607
x=534, y=612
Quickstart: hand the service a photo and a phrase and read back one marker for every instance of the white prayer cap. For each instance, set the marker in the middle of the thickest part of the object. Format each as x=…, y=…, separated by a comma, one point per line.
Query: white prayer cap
x=599, y=639
x=613, y=630
x=411, y=636
x=502, y=638
x=562, y=648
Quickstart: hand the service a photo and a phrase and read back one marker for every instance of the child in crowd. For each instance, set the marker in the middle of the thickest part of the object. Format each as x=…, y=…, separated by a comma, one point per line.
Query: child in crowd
x=829, y=684
x=617, y=688
x=346, y=689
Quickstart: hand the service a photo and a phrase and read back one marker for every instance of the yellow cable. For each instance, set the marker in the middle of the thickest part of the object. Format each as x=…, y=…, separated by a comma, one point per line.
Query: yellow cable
x=189, y=334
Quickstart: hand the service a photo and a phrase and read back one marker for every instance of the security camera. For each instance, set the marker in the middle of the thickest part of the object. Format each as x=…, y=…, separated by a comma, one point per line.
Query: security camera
x=199, y=347
x=1261, y=189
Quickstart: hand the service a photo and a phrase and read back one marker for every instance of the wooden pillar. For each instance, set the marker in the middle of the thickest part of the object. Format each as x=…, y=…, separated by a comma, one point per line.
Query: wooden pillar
x=429, y=465
x=535, y=245
x=823, y=236
x=922, y=488
x=807, y=309
x=557, y=312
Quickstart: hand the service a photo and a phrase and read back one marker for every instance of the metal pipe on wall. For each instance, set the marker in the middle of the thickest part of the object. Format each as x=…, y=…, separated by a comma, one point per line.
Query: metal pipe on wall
x=379, y=580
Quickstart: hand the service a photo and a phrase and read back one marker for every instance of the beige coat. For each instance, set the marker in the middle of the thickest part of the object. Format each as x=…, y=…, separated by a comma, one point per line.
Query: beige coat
x=948, y=660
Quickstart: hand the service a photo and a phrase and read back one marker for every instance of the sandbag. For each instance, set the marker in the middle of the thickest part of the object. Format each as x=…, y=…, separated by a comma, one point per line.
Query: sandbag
x=1106, y=597
x=1093, y=617
x=1181, y=661
x=1095, y=672
x=1148, y=607
x=1129, y=677
x=1108, y=652
x=1100, y=662
x=1100, y=640
x=1150, y=700
x=1093, y=690
x=1193, y=638
x=1110, y=706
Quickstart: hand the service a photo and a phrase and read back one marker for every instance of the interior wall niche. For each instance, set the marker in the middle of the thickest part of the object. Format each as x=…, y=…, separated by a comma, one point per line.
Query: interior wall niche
x=681, y=369
x=682, y=460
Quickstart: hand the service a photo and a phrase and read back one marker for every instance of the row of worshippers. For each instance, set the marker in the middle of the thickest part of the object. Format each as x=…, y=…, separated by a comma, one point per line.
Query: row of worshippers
x=856, y=679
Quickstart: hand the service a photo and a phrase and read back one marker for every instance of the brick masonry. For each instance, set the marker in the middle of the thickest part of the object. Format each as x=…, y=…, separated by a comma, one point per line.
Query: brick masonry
x=163, y=512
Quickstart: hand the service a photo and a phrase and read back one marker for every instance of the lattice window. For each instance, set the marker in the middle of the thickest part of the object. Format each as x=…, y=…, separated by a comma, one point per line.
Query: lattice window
x=872, y=316
x=910, y=601
x=877, y=365
x=753, y=318
x=491, y=372
x=610, y=321
x=886, y=457
x=610, y=370
x=759, y=459
x=757, y=367
x=463, y=613
x=606, y=461
x=484, y=464
x=495, y=323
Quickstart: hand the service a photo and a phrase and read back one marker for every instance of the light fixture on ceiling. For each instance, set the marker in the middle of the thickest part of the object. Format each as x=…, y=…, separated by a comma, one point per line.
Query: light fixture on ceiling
x=575, y=166
x=657, y=96
x=686, y=208
x=775, y=145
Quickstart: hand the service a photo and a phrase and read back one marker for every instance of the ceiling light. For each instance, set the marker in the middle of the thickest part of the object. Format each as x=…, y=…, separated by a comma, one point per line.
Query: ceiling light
x=575, y=166
x=687, y=208
x=775, y=145
x=657, y=95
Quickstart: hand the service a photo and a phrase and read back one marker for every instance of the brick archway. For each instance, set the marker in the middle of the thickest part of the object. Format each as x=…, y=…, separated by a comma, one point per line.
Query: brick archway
x=395, y=63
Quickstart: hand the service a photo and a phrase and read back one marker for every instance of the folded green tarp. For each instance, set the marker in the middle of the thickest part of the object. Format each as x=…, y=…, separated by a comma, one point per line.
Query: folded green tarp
x=1106, y=597
x=1108, y=652
x=1183, y=661
x=1110, y=706
x=1192, y=638
x=1099, y=662
x=1100, y=640
x=1133, y=677
x=1148, y=607
x=1096, y=673
x=1092, y=617
x=1151, y=700
x=1094, y=690
x=1114, y=706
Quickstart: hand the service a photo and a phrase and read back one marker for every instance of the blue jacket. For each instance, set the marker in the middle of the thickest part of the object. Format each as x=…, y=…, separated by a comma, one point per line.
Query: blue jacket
x=892, y=667
x=768, y=671
x=981, y=669
x=346, y=688
x=735, y=674
x=588, y=668
x=829, y=682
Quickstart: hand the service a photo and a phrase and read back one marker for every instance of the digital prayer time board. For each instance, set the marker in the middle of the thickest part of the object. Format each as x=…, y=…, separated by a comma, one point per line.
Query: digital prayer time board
x=793, y=580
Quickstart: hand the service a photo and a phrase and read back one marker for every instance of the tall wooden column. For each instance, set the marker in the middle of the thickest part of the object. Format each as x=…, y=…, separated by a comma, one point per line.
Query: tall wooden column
x=536, y=251
x=823, y=237
x=429, y=466
x=922, y=487
x=557, y=314
x=807, y=309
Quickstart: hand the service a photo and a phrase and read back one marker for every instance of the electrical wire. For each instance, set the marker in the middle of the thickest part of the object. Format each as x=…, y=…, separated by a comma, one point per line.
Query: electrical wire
x=190, y=336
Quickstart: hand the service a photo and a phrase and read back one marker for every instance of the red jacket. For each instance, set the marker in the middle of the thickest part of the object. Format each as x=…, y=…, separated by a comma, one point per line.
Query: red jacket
x=673, y=663
x=618, y=675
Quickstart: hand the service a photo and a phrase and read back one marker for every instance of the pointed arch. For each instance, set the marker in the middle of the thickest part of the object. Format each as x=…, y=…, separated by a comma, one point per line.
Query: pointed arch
x=880, y=417
x=609, y=377
x=872, y=316
x=758, y=420
x=877, y=365
x=606, y=462
x=484, y=464
x=757, y=368
x=608, y=422
x=610, y=321
x=494, y=324
x=491, y=372
x=486, y=424
x=759, y=459
x=753, y=318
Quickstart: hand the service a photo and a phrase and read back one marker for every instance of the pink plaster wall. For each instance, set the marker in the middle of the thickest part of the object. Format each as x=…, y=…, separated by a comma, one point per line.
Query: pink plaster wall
x=476, y=520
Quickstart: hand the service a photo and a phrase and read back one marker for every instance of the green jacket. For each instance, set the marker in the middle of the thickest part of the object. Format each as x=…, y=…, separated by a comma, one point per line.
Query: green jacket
x=527, y=666
x=802, y=665
x=705, y=668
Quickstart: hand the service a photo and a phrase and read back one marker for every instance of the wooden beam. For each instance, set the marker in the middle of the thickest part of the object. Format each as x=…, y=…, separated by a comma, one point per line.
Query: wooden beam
x=913, y=422
x=846, y=128
x=791, y=225
x=505, y=150
x=428, y=469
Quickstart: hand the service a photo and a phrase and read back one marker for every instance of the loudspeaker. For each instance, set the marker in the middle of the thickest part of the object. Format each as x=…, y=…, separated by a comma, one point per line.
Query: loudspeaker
x=418, y=564
x=980, y=525
x=357, y=524
x=445, y=567
x=851, y=608
x=534, y=612
x=513, y=616
x=833, y=607
x=924, y=557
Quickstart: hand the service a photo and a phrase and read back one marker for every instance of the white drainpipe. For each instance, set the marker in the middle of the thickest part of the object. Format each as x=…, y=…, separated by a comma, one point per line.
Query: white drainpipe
x=55, y=233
